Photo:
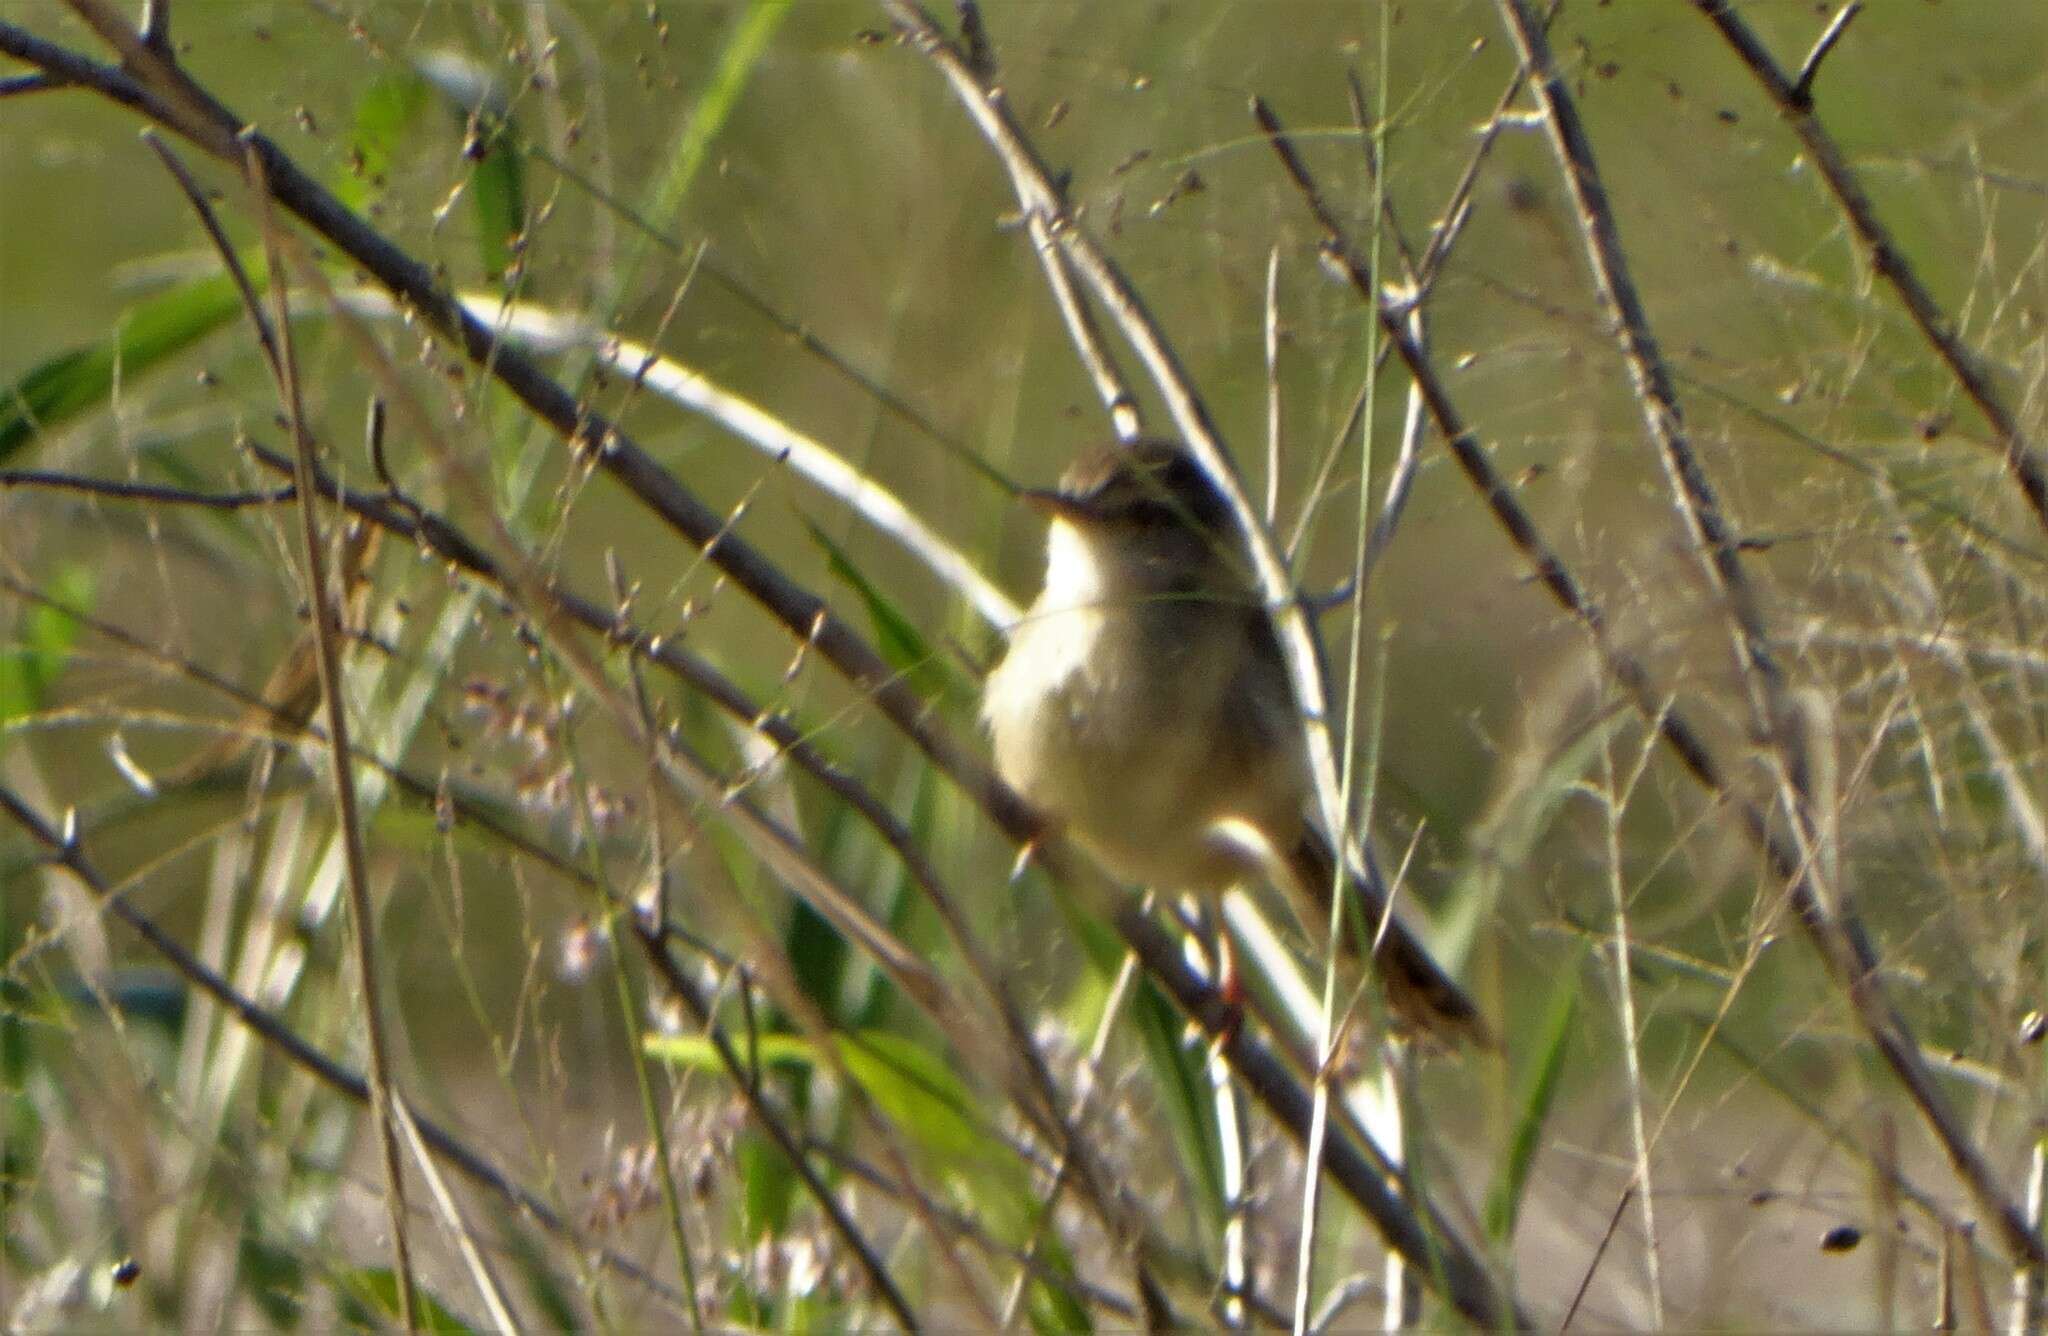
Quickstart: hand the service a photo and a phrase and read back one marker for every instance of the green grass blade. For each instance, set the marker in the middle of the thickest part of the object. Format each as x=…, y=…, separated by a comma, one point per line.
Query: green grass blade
x=367, y=1286
x=152, y=332
x=497, y=154
x=29, y=667
x=1539, y=1092
x=385, y=115
x=896, y=635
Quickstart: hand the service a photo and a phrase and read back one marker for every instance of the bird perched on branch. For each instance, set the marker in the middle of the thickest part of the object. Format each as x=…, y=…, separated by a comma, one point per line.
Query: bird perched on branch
x=1143, y=703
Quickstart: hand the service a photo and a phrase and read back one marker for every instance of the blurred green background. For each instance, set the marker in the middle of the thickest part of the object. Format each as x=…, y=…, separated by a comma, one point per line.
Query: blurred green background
x=822, y=166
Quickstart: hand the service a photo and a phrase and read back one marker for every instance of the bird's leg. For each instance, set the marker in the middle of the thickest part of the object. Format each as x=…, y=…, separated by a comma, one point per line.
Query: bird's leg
x=1026, y=853
x=1229, y=986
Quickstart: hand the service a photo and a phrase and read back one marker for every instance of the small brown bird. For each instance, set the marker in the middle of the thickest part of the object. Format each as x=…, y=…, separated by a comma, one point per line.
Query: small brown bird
x=1144, y=704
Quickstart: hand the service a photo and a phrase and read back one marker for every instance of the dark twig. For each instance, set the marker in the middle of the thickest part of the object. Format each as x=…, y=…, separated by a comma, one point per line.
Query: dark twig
x=244, y=287
x=981, y=54
x=155, y=494
x=1713, y=537
x=1443, y=236
x=1802, y=88
x=21, y=84
x=156, y=26
x=2022, y=460
x=1593, y=1266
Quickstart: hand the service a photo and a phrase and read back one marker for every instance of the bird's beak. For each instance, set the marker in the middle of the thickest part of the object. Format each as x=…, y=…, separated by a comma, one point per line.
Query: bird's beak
x=1051, y=501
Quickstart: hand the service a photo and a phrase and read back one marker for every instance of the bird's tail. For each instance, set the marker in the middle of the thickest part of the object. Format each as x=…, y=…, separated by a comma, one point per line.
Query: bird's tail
x=1423, y=998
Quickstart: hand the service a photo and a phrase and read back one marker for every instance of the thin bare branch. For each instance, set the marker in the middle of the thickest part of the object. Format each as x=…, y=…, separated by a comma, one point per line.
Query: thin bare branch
x=1809, y=69
x=156, y=26
x=162, y=494
x=488, y=1288
x=1272, y=512
x=1083, y=332
x=21, y=84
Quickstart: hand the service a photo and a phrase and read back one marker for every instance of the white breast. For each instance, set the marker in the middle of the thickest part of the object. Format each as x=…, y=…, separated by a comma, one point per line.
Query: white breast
x=1049, y=645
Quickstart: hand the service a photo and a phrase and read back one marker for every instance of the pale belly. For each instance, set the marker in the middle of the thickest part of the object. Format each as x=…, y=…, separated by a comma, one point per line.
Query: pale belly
x=1140, y=762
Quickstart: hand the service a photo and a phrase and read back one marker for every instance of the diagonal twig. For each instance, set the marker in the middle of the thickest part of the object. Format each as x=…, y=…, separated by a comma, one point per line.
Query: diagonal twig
x=1789, y=862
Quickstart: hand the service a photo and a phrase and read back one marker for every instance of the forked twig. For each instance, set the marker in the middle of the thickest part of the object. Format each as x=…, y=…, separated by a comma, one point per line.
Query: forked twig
x=1889, y=261
x=1809, y=69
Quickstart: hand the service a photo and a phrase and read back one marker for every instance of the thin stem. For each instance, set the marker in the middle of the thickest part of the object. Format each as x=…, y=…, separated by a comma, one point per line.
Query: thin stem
x=1809, y=70
x=326, y=641
x=152, y=493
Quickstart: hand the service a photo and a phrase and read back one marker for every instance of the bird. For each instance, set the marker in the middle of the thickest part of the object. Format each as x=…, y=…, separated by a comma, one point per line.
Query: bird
x=1144, y=706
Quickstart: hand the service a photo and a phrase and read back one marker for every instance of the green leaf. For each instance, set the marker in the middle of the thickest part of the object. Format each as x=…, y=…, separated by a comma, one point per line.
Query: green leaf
x=920, y=1092
x=911, y=1084
x=743, y=50
x=30, y=668
x=1504, y=1201
x=497, y=189
x=768, y=1188
x=377, y=1285
x=385, y=114
x=274, y=1277
x=550, y=1299
x=696, y=1053
x=150, y=333
x=901, y=643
